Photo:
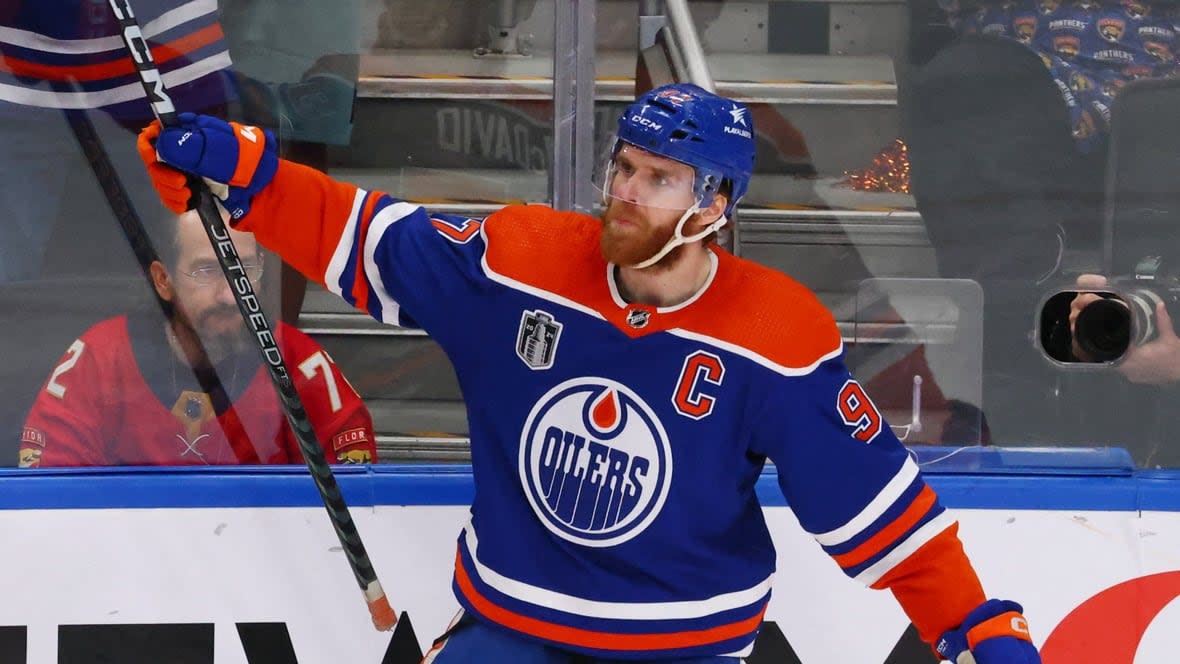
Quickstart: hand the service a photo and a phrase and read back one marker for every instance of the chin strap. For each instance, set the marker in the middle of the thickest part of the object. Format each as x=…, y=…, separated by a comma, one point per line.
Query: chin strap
x=678, y=238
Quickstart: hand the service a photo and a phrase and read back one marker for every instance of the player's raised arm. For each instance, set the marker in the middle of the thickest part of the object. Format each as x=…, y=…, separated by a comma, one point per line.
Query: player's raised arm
x=382, y=255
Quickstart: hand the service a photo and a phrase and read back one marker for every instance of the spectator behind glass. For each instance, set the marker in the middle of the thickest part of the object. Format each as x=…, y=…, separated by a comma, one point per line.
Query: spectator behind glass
x=135, y=389
x=1092, y=48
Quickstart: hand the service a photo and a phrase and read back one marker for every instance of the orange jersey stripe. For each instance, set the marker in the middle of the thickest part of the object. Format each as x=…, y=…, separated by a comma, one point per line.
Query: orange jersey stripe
x=936, y=586
x=360, y=284
x=890, y=533
x=121, y=67
x=600, y=640
x=470, y=228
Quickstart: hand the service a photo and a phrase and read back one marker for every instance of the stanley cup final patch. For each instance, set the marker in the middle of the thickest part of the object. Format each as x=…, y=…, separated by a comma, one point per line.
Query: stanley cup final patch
x=536, y=341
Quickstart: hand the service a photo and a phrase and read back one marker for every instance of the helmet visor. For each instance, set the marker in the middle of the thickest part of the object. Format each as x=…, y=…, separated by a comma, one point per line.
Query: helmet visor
x=641, y=178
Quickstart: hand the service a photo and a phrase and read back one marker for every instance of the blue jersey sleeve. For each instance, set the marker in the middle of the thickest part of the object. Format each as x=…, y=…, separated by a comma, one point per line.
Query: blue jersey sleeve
x=845, y=474
x=390, y=258
x=407, y=266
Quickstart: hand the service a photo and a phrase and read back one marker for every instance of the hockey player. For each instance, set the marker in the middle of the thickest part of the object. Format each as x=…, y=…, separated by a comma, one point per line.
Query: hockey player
x=625, y=383
x=135, y=389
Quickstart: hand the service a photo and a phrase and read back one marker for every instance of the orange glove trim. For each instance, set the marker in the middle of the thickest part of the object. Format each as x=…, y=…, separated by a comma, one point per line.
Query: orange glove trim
x=251, y=144
x=1006, y=624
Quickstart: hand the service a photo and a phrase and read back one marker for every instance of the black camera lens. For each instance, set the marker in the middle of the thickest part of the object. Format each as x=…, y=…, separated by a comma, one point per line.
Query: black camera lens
x=1103, y=330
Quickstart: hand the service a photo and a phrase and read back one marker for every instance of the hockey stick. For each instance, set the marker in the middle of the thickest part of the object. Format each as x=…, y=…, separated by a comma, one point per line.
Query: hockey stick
x=145, y=254
x=382, y=613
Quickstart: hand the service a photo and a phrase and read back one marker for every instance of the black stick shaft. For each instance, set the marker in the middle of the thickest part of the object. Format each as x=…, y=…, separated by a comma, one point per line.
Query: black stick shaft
x=256, y=321
x=115, y=193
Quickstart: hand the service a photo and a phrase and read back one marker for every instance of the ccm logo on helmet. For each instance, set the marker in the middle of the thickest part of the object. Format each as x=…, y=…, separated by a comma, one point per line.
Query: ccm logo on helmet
x=640, y=120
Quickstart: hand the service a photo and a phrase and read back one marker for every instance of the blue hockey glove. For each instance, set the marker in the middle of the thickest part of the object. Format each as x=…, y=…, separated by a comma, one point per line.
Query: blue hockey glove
x=236, y=160
x=994, y=633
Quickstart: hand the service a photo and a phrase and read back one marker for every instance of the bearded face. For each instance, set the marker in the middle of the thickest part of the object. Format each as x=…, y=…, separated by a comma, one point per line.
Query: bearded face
x=632, y=233
x=219, y=326
x=646, y=195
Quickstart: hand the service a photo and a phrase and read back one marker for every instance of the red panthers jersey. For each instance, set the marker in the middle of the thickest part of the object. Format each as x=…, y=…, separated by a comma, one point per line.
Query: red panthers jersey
x=119, y=396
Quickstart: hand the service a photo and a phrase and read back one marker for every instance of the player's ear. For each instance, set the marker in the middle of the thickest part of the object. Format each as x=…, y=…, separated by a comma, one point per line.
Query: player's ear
x=713, y=211
x=162, y=281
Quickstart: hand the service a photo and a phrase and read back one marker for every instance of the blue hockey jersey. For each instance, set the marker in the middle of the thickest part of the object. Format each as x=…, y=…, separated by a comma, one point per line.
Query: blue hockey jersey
x=70, y=54
x=616, y=446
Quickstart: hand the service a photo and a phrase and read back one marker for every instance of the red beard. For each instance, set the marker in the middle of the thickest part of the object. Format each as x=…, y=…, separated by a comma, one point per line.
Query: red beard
x=633, y=243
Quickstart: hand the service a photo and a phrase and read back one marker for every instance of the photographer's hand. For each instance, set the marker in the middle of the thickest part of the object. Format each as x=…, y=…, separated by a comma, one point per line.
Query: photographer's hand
x=1080, y=301
x=1156, y=362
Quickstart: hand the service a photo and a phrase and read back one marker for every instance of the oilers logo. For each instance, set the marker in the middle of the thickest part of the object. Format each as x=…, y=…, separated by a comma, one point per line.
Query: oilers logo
x=595, y=462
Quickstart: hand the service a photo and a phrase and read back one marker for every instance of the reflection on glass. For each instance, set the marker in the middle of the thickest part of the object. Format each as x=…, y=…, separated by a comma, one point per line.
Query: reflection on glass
x=139, y=389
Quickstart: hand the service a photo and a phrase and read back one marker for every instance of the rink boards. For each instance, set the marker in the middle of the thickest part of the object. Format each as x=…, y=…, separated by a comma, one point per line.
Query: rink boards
x=212, y=559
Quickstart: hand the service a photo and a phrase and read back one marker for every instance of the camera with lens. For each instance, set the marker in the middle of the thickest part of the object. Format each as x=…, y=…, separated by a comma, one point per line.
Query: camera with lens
x=1106, y=328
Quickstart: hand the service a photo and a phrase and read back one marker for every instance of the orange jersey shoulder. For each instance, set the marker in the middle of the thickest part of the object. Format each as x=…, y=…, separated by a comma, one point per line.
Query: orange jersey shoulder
x=543, y=249
x=747, y=307
x=765, y=312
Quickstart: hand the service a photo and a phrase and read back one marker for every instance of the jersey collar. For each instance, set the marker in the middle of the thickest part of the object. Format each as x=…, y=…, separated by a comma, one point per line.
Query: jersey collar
x=639, y=319
x=617, y=297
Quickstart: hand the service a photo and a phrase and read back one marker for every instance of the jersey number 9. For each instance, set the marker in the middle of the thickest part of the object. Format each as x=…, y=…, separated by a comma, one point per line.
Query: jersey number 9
x=858, y=411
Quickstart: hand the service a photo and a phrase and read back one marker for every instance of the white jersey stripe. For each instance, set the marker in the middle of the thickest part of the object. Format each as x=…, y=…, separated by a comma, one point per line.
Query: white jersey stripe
x=344, y=246
x=873, y=511
x=906, y=548
x=381, y=222
x=99, y=98
x=749, y=354
x=165, y=22
x=589, y=608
